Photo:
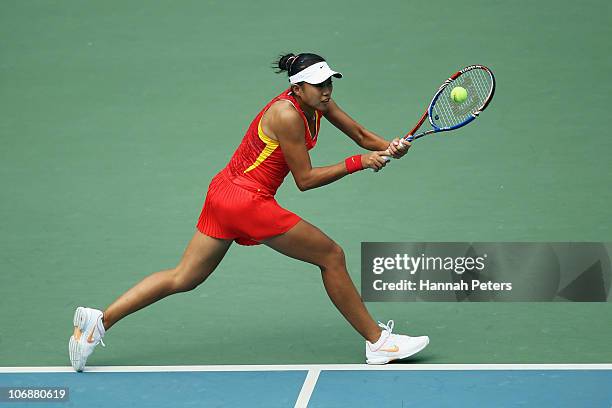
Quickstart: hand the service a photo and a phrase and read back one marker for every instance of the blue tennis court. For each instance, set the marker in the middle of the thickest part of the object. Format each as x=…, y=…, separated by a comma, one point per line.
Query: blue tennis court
x=324, y=386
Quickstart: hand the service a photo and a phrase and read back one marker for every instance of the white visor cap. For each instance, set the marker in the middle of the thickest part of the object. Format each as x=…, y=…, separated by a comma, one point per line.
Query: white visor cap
x=314, y=74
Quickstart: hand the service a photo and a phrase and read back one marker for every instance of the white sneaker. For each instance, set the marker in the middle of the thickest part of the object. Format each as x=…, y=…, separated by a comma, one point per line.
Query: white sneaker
x=88, y=333
x=393, y=346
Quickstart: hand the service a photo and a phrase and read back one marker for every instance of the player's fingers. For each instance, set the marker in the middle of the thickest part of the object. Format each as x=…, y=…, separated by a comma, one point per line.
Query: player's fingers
x=377, y=162
x=403, y=148
x=397, y=154
x=383, y=160
x=380, y=163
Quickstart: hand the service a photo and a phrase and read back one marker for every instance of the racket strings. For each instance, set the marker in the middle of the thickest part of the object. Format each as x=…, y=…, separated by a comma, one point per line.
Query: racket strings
x=483, y=85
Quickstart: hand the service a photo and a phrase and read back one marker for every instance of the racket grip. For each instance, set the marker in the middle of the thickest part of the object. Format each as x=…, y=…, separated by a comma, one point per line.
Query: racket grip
x=401, y=144
x=387, y=159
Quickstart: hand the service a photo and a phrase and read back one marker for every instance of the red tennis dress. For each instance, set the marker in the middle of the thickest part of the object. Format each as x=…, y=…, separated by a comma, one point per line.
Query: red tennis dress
x=240, y=202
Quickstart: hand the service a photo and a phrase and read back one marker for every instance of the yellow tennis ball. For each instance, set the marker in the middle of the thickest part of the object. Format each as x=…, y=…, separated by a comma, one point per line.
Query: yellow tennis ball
x=458, y=94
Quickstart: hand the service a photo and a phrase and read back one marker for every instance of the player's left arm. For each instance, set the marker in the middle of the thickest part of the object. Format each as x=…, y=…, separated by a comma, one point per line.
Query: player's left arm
x=362, y=136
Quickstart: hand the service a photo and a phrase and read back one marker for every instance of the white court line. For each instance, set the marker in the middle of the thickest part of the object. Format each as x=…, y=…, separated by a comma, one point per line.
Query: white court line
x=307, y=388
x=309, y=367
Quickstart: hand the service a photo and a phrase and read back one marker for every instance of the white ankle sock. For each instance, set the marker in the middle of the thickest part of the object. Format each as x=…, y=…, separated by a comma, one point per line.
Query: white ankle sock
x=384, y=335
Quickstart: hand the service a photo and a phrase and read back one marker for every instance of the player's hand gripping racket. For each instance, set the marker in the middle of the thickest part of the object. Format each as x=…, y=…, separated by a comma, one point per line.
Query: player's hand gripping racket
x=450, y=110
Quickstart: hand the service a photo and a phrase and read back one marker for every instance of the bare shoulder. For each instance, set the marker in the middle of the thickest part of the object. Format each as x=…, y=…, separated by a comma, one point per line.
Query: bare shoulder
x=283, y=110
x=282, y=119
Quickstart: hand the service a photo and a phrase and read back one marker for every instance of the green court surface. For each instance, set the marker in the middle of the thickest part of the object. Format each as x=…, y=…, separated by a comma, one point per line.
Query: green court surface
x=116, y=115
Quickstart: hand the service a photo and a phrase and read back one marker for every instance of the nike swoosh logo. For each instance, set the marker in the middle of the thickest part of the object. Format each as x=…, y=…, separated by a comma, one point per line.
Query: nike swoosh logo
x=393, y=349
x=90, y=337
x=77, y=333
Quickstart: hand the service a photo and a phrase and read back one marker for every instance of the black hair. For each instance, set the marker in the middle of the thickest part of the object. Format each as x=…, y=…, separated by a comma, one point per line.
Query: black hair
x=295, y=63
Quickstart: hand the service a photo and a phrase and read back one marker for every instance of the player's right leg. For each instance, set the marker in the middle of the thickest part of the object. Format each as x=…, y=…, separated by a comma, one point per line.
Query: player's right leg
x=307, y=243
x=200, y=259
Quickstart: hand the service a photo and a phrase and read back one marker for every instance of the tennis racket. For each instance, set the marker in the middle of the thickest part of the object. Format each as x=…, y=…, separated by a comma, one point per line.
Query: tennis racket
x=444, y=114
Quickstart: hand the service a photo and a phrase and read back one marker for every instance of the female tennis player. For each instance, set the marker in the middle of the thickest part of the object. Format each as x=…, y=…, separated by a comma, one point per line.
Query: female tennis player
x=240, y=206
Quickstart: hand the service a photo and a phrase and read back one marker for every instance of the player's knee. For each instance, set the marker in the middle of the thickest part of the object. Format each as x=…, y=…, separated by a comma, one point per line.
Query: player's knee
x=334, y=258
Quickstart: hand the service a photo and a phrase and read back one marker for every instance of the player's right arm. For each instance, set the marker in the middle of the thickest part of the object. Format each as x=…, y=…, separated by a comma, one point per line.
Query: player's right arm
x=285, y=124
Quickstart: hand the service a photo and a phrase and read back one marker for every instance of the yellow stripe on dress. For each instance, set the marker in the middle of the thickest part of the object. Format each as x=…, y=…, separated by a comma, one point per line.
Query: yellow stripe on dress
x=271, y=145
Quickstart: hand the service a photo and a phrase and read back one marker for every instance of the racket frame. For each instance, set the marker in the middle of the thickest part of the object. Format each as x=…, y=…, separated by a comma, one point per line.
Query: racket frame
x=410, y=136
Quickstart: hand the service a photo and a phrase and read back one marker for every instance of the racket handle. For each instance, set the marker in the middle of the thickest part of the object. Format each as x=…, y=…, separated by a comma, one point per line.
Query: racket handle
x=387, y=159
x=401, y=144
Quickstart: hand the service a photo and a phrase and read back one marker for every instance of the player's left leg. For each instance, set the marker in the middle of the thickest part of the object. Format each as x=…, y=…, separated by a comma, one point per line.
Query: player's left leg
x=199, y=260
